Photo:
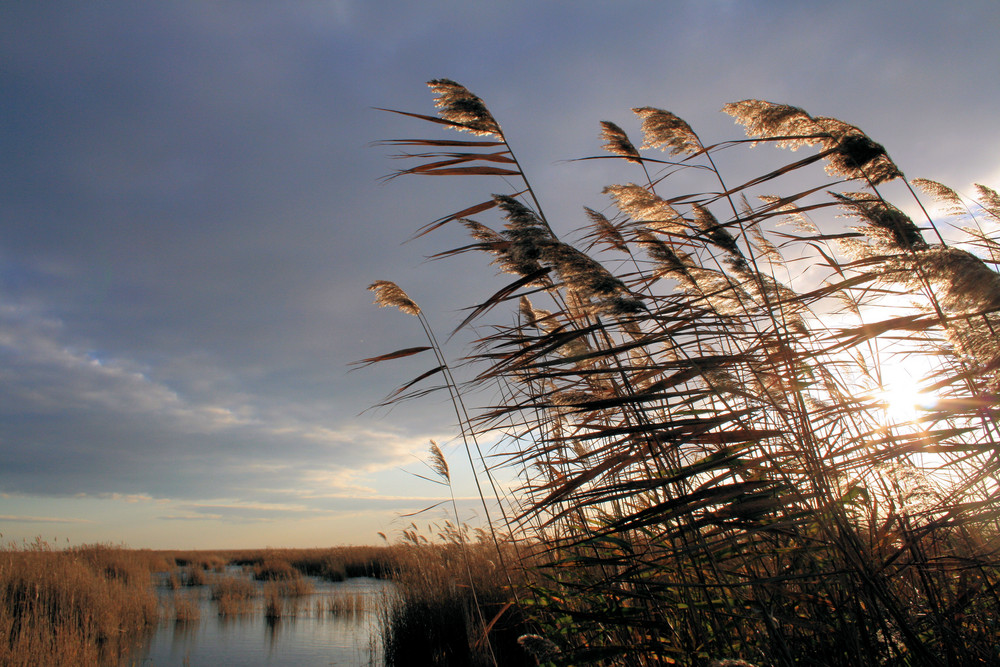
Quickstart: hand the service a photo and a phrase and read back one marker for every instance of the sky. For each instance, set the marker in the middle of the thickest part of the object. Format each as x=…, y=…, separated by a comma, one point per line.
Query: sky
x=191, y=208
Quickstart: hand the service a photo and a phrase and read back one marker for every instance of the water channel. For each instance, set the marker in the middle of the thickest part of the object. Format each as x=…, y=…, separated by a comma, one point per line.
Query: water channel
x=307, y=634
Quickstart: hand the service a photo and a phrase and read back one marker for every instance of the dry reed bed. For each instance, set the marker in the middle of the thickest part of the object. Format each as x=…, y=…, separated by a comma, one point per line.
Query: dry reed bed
x=455, y=602
x=332, y=563
x=348, y=603
x=695, y=401
x=92, y=604
x=185, y=608
x=84, y=606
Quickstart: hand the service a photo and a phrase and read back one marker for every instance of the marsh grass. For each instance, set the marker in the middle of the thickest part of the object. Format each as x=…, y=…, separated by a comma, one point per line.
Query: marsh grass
x=87, y=606
x=195, y=575
x=451, y=605
x=697, y=400
x=185, y=608
x=172, y=581
x=94, y=604
x=346, y=603
x=234, y=596
x=275, y=604
x=274, y=569
x=333, y=563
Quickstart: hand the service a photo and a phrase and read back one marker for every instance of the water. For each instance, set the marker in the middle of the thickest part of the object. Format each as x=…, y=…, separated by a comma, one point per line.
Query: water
x=309, y=637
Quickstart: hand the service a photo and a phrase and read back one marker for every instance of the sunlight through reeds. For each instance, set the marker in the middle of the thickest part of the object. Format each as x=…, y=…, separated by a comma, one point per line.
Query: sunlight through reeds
x=767, y=435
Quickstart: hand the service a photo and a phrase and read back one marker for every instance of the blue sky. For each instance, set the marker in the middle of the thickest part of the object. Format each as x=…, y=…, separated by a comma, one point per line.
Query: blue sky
x=190, y=211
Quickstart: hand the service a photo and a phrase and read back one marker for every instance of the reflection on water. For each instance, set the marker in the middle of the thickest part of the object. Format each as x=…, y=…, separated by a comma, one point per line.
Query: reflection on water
x=314, y=629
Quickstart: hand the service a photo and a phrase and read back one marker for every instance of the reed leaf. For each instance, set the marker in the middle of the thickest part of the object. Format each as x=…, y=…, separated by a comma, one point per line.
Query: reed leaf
x=700, y=419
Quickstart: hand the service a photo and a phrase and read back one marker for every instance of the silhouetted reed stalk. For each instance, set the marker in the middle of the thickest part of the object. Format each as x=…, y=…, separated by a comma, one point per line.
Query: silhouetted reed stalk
x=703, y=440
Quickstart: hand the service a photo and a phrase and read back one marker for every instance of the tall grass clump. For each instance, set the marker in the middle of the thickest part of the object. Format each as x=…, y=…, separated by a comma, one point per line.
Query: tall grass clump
x=84, y=606
x=703, y=398
x=185, y=608
x=344, y=604
x=451, y=605
x=234, y=596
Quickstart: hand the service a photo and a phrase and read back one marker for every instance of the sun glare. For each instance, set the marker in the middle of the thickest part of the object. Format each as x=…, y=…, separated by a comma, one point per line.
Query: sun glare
x=901, y=396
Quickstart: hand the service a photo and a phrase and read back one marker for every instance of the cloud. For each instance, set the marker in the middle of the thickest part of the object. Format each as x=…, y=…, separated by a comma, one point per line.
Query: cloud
x=190, y=210
x=316, y=507
x=124, y=432
x=40, y=519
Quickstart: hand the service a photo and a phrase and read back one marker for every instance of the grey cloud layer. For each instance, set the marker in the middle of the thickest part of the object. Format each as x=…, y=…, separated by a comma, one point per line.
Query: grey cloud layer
x=189, y=209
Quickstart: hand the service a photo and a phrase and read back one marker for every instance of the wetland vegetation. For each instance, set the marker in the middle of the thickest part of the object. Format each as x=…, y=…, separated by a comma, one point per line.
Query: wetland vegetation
x=718, y=460
x=751, y=407
x=102, y=605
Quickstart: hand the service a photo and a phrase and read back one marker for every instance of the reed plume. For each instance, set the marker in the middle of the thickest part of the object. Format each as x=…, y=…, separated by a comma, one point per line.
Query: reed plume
x=466, y=111
x=662, y=129
x=388, y=293
x=849, y=151
x=617, y=142
x=696, y=406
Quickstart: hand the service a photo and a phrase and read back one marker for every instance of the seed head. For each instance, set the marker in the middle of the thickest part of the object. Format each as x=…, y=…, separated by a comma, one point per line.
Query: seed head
x=643, y=206
x=716, y=233
x=942, y=194
x=457, y=105
x=989, y=199
x=388, y=293
x=526, y=236
x=605, y=230
x=617, y=142
x=881, y=215
x=438, y=463
x=768, y=120
x=662, y=129
x=853, y=153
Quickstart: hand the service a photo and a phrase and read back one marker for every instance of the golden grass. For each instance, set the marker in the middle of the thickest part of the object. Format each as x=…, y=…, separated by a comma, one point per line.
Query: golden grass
x=274, y=604
x=333, y=563
x=185, y=608
x=275, y=569
x=194, y=575
x=234, y=596
x=90, y=605
x=455, y=603
x=82, y=606
x=345, y=603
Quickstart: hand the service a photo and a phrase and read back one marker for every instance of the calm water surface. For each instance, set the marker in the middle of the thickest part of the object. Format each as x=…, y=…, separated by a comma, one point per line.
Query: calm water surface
x=310, y=637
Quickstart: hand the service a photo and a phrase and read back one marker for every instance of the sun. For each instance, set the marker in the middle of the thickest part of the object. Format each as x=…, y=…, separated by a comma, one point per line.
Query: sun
x=901, y=396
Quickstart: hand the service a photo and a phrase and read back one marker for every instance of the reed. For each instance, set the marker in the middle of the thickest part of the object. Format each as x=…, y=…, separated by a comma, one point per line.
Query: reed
x=274, y=569
x=195, y=575
x=274, y=604
x=185, y=608
x=699, y=399
x=332, y=563
x=234, y=596
x=87, y=605
x=452, y=604
x=348, y=604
